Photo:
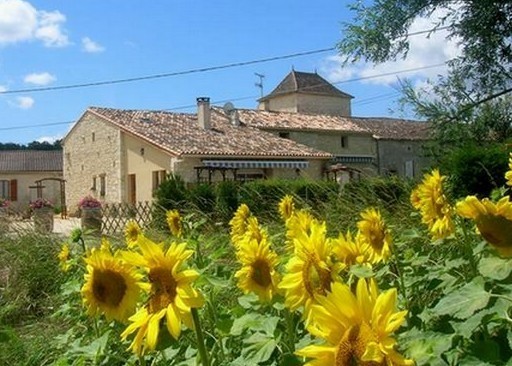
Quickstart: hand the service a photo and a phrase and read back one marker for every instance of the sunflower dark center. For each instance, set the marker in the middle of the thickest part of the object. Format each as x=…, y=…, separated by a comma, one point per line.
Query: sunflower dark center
x=109, y=287
x=164, y=289
x=317, y=280
x=353, y=346
x=261, y=273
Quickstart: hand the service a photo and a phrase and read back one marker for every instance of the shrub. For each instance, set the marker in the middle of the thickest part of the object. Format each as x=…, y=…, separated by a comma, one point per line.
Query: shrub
x=476, y=170
x=263, y=196
x=202, y=197
x=170, y=195
x=227, y=198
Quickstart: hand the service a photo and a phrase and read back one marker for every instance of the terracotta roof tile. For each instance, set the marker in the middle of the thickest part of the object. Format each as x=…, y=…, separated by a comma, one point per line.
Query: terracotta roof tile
x=299, y=121
x=380, y=128
x=180, y=134
x=305, y=82
x=30, y=160
x=394, y=129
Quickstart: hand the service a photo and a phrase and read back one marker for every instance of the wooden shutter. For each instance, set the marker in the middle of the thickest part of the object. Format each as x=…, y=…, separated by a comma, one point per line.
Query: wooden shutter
x=14, y=190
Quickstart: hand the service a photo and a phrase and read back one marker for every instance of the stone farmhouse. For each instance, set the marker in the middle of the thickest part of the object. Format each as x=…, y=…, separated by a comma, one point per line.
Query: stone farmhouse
x=28, y=174
x=303, y=128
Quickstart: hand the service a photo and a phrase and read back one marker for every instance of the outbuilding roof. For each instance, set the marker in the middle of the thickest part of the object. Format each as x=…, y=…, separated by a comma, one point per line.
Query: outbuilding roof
x=305, y=82
x=30, y=160
x=379, y=128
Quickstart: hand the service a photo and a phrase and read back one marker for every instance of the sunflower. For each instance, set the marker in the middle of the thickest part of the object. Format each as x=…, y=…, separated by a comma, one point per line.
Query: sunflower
x=238, y=223
x=493, y=220
x=172, y=295
x=175, y=223
x=299, y=223
x=286, y=207
x=356, y=328
x=508, y=174
x=430, y=200
x=310, y=271
x=253, y=231
x=132, y=232
x=258, y=273
x=373, y=230
x=64, y=257
x=112, y=286
x=351, y=250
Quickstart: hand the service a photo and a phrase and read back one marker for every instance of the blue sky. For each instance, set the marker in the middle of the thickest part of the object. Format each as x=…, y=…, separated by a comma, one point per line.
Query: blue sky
x=61, y=43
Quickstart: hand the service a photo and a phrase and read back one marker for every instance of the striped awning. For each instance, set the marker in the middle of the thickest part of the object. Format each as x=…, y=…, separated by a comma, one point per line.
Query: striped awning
x=253, y=164
x=354, y=159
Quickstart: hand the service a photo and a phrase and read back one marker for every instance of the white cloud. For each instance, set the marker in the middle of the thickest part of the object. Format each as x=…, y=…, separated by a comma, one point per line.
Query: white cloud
x=424, y=50
x=88, y=45
x=49, y=30
x=24, y=102
x=3, y=89
x=43, y=78
x=49, y=139
x=20, y=21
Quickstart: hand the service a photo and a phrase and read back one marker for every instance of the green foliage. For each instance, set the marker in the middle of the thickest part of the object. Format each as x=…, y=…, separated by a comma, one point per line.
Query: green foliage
x=379, y=31
x=202, y=197
x=30, y=282
x=470, y=103
x=170, y=195
x=476, y=170
x=457, y=291
x=34, y=145
x=29, y=276
x=263, y=196
x=227, y=198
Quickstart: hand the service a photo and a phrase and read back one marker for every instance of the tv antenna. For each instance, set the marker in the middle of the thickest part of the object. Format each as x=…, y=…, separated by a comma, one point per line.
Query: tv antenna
x=260, y=83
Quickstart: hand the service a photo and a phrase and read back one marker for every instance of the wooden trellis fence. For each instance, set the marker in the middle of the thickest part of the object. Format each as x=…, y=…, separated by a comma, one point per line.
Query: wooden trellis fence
x=116, y=215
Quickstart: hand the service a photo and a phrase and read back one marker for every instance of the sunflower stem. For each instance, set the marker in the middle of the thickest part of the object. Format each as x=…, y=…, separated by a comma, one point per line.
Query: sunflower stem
x=200, y=338
x=142, y=360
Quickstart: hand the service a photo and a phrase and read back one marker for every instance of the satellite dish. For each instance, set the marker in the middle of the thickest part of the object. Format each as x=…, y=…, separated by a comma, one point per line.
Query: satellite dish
x=228, y=108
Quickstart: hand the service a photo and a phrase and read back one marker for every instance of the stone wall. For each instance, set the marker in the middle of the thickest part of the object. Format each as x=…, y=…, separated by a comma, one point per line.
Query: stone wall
x=308, y=103
x=323, y=104
x=394, y=155
x=93, y=161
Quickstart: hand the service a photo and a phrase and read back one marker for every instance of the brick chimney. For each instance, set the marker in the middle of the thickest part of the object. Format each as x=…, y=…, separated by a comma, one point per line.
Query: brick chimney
x=203, y=112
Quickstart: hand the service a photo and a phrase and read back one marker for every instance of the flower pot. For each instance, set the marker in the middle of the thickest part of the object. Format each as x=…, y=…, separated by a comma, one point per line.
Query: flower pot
x=43, y=220
x=90, y=219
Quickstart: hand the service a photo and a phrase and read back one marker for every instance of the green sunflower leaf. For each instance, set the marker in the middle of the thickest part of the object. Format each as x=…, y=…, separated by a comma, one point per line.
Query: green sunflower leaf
x=495, y=268
x=465, y=301
x=260, y=348
x=361, y=271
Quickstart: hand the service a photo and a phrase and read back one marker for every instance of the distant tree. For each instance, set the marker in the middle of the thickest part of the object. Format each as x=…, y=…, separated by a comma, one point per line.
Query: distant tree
x=11, y=146
x=34, y=145
x=44, y=145
x=379, y=33
x=470, y=103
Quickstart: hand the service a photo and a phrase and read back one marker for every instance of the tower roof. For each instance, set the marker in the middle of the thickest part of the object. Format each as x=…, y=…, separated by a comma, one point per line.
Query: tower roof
x=307, y=83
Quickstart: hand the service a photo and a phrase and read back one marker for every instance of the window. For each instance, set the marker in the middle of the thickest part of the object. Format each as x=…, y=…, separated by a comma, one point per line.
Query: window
x=4, y=189
x=93, y=188
x=344, y=142
x=284, y=135
x=102, y=185
x=409, y=169
x=159, y=177
x=93, y=137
